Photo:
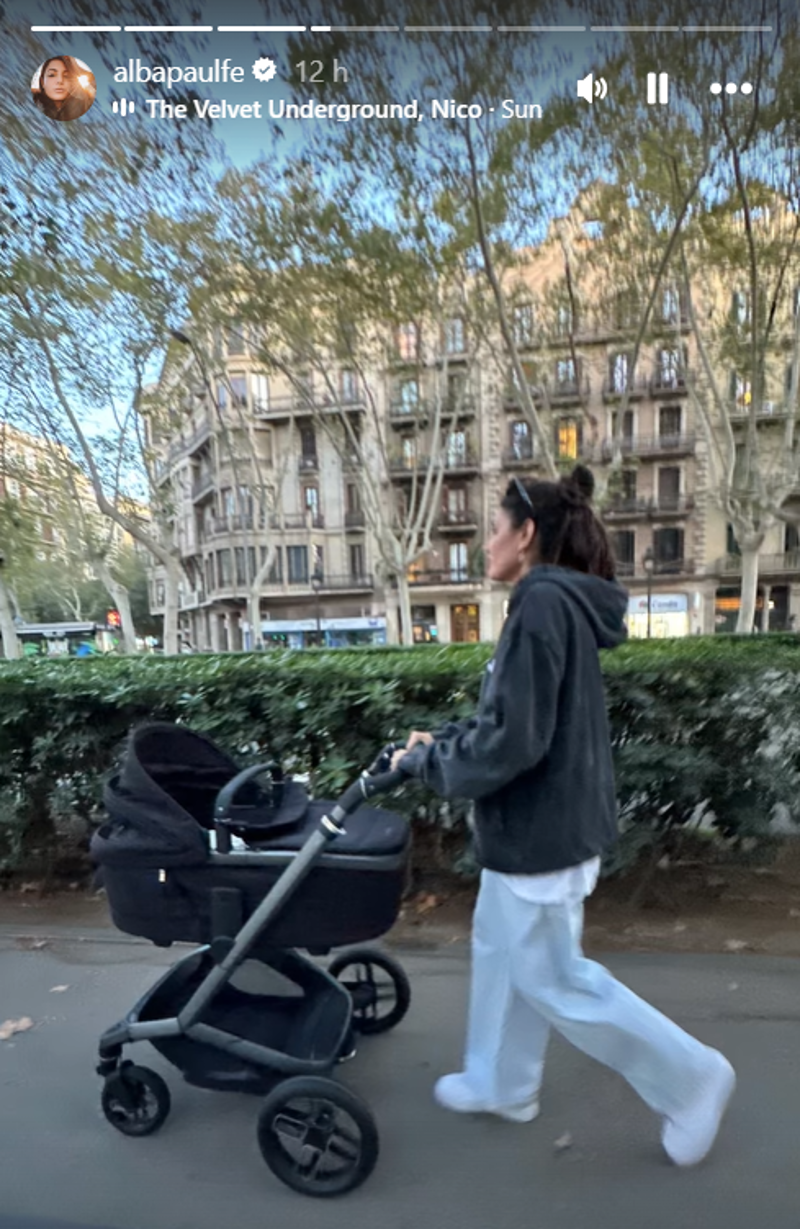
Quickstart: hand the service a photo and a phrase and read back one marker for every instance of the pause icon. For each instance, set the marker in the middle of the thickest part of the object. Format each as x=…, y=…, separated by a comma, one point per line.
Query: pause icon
x=122, y=108
x=658, y=84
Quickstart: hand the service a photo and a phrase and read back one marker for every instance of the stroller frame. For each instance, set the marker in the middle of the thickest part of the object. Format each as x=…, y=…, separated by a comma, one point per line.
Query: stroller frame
x=136, y=1099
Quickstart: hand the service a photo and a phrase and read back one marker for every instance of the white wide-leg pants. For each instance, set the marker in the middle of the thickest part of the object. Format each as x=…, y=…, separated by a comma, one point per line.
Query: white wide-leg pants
x=529, y=975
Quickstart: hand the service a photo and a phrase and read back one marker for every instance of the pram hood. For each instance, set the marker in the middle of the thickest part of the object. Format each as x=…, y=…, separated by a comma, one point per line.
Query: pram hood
x=162, y=800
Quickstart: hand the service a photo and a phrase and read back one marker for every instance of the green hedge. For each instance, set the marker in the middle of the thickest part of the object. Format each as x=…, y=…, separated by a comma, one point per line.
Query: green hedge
x=702, y=727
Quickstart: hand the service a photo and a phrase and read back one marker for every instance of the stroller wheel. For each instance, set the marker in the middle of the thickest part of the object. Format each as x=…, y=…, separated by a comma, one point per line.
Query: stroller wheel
x=135, y=1100
x=317, y=1136
x=378, y=986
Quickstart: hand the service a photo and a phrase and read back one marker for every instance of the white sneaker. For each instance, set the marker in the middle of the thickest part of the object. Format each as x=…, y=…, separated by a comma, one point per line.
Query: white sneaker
x=454, y=1093
x=688, y=1137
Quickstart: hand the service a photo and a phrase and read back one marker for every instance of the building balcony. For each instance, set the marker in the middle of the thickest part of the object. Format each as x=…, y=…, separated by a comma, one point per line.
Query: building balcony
x=462, y=408
x=768, y=411
x=347, y=582
x=354, y=520
x=203, y=487
x=664, y=506
x=668, y=384
x=673, y=567
x=445, y=576
x=297, y=520
x=402, y=413
x=308, y=464
x=519, y=458
x=613, y=392
x=626, y=509
x=768, y=565
x=464, y=462
x=299, y=405
x=461, y=520
x=568, y=392
x=650, y=446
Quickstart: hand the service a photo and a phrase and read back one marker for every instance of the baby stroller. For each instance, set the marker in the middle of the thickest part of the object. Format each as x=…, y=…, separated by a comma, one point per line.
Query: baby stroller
x=244, y=864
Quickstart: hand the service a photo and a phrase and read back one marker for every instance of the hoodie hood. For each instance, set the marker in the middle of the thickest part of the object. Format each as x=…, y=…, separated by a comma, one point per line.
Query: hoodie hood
x=604, y=603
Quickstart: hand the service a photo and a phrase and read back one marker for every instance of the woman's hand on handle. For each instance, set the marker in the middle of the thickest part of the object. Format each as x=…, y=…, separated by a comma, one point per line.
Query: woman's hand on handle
x=416, y=736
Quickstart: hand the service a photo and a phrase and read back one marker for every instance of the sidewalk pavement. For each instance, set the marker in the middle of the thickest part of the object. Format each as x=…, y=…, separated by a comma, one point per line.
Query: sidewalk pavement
x=62, y=1164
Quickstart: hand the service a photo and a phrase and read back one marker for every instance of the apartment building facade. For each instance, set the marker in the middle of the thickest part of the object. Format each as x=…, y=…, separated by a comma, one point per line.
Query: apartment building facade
x=675, y=551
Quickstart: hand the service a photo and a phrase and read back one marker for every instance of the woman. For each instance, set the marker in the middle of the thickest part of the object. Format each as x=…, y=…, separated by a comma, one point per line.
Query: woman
x=64, y=91
x=537, y=760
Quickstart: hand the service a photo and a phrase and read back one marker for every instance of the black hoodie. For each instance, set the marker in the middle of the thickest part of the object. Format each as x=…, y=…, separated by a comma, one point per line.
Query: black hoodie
x=537, y=756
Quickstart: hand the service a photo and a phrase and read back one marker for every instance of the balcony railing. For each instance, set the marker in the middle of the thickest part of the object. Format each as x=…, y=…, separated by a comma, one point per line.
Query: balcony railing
x=767, y=410
x=308, y=463
x=354, y=520
x=623, y=509
x=671, y=505
x=788, y=561
x=297, y=520
x=567, y=391
x=449, y=460
x=457, y=518
x=446, y=576
x=614, y=390
x=518, y=457
x=333, y=583
x=202, y=486
x=668, y=384
x=650, y=446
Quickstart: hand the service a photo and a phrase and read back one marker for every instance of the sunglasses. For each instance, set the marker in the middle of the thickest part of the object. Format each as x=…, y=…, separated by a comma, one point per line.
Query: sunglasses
x=524, y=496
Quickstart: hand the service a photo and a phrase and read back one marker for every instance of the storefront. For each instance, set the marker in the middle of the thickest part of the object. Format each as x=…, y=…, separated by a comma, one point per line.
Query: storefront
x=333, y=633
x=669, y=615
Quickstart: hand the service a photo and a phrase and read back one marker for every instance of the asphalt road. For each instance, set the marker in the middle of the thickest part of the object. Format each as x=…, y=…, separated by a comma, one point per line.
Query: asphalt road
x=61, y=1163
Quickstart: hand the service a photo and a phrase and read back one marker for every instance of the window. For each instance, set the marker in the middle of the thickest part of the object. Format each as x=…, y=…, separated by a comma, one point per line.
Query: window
x=618, y=369
x=669, y=488
x=792, y=538
x=564, y=320
x=241, y=574
x=239, y=391
x=348, y=386
x=669, y=422
x=409, y=451
x=623, y=543
x=308, y=443
x=275, y=574
x=627, y=426
x=352, y=498
x=568, y=439
x=668, y=549
x=454, y=336
x=259, y=386
x=670, y=306
x=236, y=342
x=740, y=307
x=161, y=593
x=311, y=500
x=670, y=368
x=210, y=574
x=409, y=396
x=566, y=379
x=318, y=569
x=251, y=564
x=408, y=342
x=357, y=560
x=456, y=448
x=731, y=545
x=297, y=564
x=456, y=392
x=222, y=396
x=227, y=504
x=522, y=324
x=457, y=559
x=521, y=446
x=224, y=568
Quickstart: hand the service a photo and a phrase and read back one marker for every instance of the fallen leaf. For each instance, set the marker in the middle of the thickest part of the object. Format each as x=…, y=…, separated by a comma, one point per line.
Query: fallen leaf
x=38, y=944
x=735, y=945
x=58, y=989
x=563, y=1142
x=10, y=1027
x=426, y=903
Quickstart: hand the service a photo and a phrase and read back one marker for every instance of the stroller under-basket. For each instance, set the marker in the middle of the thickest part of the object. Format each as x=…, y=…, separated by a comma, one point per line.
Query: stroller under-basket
x=244, y=864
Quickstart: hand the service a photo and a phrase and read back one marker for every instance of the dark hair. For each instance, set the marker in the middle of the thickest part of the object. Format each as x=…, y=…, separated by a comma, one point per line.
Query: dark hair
x=568, y=533
x=46, y=104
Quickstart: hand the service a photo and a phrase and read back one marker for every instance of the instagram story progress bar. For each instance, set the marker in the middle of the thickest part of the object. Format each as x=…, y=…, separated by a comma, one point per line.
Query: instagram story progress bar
x=658, y=88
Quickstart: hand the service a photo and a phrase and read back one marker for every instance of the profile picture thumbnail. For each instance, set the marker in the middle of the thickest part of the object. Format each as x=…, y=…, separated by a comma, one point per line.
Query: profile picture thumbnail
x=63, y=87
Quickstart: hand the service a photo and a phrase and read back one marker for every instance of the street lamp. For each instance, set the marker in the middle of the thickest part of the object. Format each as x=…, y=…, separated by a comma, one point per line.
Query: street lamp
x=649, y=565
x=316, y=585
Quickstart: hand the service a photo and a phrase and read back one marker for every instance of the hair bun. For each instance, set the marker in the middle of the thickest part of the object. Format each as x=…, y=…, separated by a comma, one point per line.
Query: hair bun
x=580, y=483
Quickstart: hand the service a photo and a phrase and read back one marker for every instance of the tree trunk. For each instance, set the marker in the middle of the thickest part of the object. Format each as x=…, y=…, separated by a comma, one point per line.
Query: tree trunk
x=404, y=603
x=121, y=599
x=747, y=608
x=171, y=606
x=12, y=649
x=254, y=599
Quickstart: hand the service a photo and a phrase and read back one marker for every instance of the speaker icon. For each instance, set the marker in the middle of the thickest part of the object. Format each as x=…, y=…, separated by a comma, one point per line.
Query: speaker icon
x=123, y=107
x=590, y=89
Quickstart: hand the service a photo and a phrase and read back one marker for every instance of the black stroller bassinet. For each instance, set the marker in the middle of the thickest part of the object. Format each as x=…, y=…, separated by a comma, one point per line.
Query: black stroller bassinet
x=246, y=865
x=157, y=851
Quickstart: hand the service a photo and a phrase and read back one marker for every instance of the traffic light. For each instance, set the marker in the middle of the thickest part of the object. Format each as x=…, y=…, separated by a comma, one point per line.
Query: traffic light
x=113, y=619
